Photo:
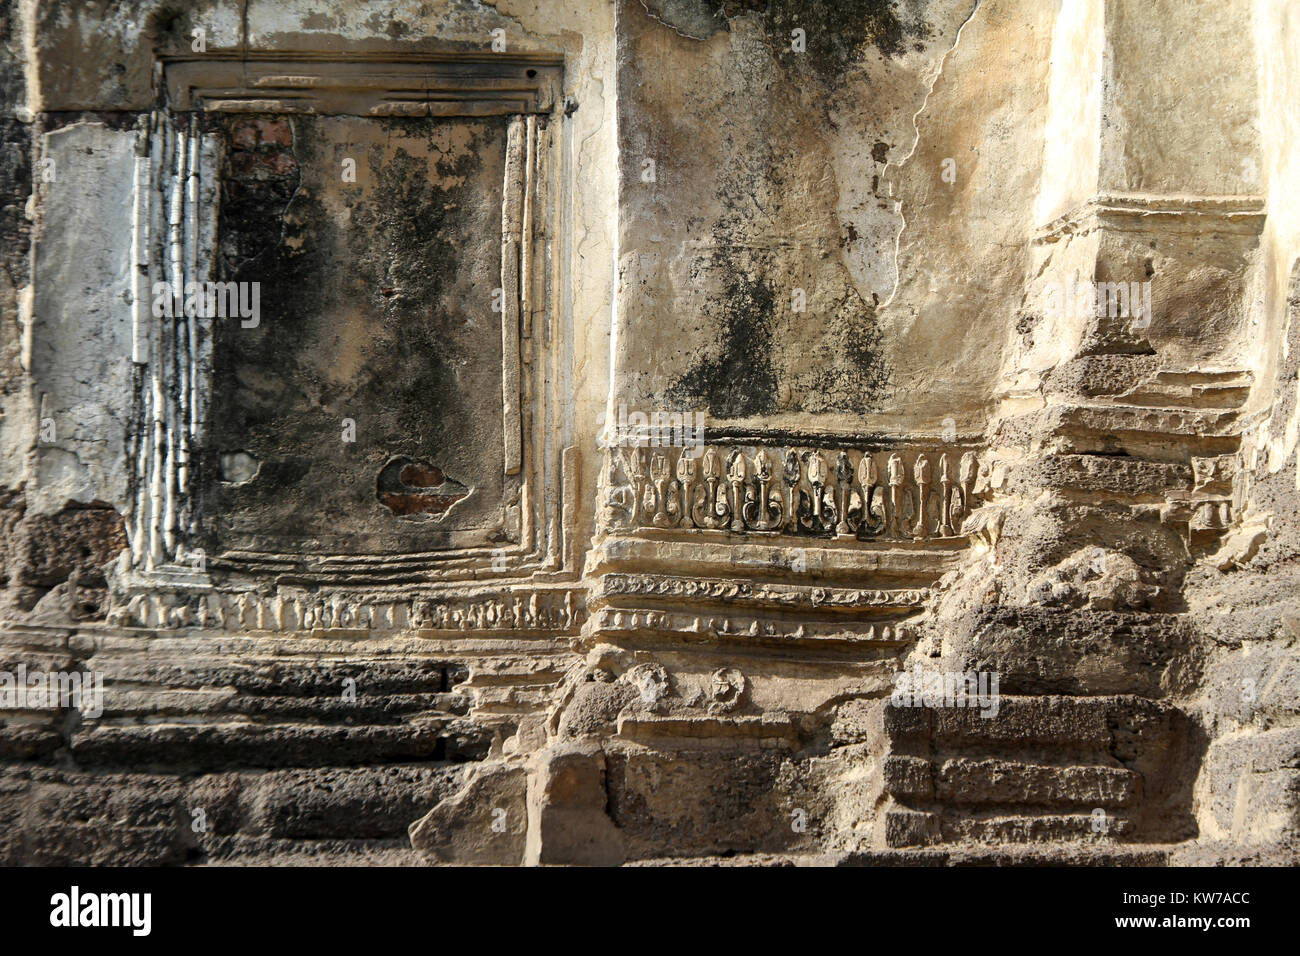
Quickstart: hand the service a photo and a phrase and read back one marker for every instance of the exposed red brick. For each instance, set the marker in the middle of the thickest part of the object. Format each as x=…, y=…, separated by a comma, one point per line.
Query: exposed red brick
x=419, y=475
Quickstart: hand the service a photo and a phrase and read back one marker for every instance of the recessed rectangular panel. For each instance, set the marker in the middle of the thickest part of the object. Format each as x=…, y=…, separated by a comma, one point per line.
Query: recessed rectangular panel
x=363, y=414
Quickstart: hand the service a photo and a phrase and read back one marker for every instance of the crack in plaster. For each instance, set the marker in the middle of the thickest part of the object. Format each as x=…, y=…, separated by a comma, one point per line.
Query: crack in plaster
x=916, y=142
x=662, y=22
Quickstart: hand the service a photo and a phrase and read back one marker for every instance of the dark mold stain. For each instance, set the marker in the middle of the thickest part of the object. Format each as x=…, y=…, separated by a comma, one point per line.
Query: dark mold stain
x=406, y=238
x=373, y=290
x=319, y=21
x=385, y=23
x=855, y=375
x=260, y=178
x=838, y=32
x=740, y=378
x=167, y=28
x=15, y=155
x=739, y=381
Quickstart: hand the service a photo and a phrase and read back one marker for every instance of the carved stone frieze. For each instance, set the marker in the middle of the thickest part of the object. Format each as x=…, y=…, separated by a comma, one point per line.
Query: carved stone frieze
x=904, y=494
x=615, y=586
x=609, y=621
x=554, y=610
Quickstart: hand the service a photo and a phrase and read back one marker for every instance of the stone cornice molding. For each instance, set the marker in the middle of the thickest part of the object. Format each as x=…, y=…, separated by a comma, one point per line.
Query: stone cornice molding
x=1140, y=212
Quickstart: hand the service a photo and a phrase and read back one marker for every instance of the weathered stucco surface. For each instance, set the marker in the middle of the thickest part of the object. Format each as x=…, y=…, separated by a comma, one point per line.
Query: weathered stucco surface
x=642, y=399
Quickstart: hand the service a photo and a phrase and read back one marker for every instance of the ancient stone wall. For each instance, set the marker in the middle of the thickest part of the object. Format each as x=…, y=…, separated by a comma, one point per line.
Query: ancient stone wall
x=645, y=430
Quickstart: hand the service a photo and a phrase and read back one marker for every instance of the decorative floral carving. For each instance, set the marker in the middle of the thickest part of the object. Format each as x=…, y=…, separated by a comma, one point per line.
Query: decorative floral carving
x=652, y=684
x=556, y=610
x=925, y=493
x=726, y=690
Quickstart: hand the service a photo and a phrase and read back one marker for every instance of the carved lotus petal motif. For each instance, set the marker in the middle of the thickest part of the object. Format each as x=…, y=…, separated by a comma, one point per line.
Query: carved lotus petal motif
x=866, y=470
x=895, y=469
x=792, y=469
x=817, y=469
x=921, y=470
x=968, y=467
x=712, y=465
x=659, y=468
x=763, y=466
x=843, y=468
x=943, y=469
x=737, y=468
x=687, y=465
x=635, y=459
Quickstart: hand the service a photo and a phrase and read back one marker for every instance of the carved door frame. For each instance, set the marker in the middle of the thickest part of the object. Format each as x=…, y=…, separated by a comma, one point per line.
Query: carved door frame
x=174, y=238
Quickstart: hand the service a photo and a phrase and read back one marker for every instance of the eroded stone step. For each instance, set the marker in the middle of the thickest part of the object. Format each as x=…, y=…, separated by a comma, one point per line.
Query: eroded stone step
x=247, y=745
x=1075, y=854
x=905, y=827
x=991, y=780
x=269, y=851
x=1090, y=723
x=1045, y=828
x=72, y=818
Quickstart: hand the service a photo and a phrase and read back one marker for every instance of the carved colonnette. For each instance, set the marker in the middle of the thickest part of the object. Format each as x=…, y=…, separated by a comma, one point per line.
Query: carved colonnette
x=173, y=238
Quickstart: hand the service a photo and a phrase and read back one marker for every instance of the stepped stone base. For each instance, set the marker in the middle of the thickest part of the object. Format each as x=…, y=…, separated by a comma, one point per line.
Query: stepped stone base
x=1042, y=770
x=215, y=748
